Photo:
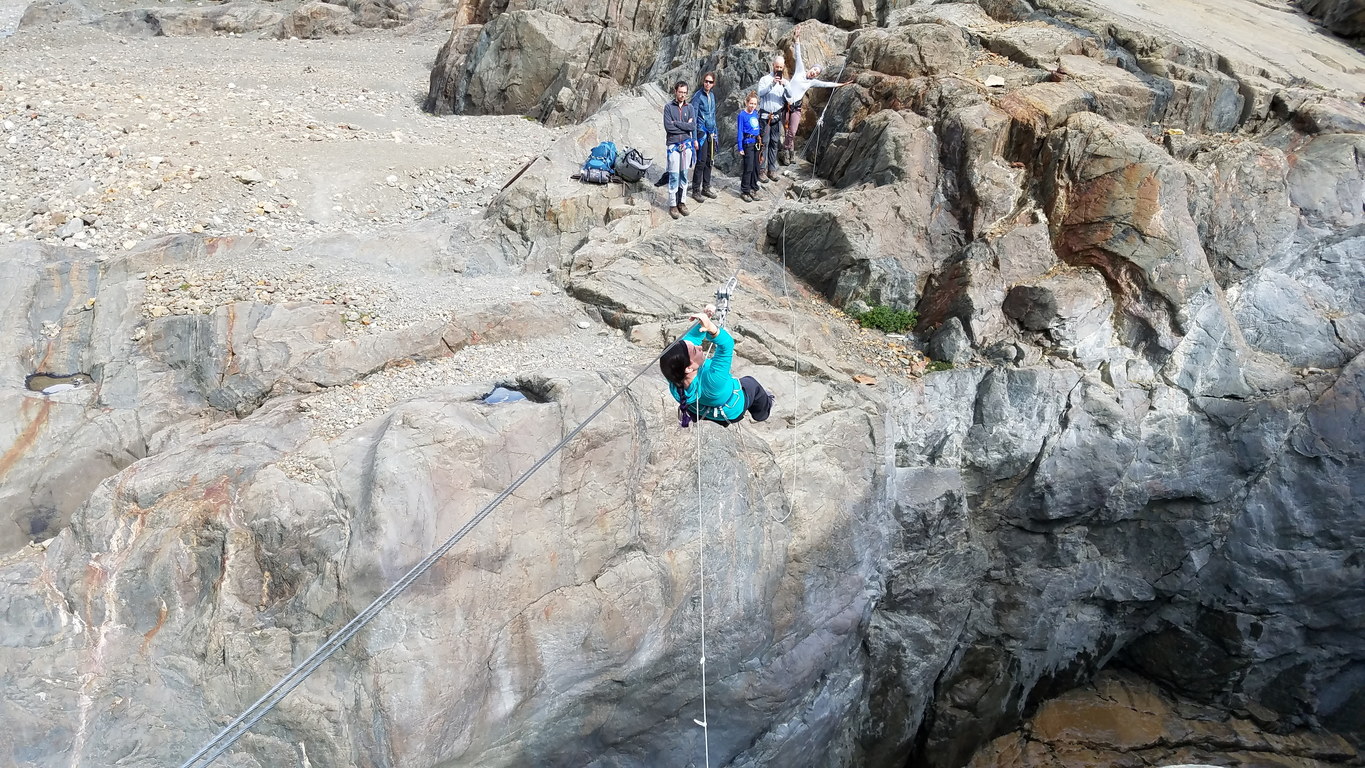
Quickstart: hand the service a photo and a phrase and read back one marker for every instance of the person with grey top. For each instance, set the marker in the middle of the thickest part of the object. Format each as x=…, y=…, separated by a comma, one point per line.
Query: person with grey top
x=680, y=126
x=704, y=104
x=772, y=102
x=802, y=80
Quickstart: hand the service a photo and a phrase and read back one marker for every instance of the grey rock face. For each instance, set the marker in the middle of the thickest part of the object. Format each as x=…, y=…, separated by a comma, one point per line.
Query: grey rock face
x=155, y=375
x=910, y=51
x=530, y=61
x=1327, y=180
x=1249, y=219
x=316, y=19
x=1156, y=459
x=236, y=17
x=1032, y=46
x=274, y=573
x=1306, y=307
x=53, y=11
x=1344, y=17
x=950, y=343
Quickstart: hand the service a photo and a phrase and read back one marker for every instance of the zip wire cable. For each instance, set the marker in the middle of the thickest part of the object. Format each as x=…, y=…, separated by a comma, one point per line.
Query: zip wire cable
x=243, y=722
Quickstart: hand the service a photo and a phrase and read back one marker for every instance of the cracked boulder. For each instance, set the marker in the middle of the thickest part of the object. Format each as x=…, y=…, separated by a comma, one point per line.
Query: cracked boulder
x=1070, y=312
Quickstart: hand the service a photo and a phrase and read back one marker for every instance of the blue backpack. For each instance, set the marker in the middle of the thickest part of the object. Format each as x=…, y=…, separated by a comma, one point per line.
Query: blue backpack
x=602, y=158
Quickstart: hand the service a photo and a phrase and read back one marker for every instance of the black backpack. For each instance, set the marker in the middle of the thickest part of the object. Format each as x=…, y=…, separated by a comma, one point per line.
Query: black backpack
x=631, y=165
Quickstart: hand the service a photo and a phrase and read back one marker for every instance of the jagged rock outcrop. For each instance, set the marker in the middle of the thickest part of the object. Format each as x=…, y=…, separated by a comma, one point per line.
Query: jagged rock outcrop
x=1344, y=17
x=157, y=376
x=1123, y=720
x=283, y=531
x=316, y=19
x=555, y=63
x=1147, y=453
x=234, y=17
x=1069, y=513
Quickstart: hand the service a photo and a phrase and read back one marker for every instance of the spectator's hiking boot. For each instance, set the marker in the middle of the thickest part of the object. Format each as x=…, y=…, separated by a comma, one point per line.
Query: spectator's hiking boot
x=772, y=176
x=683, y=209
x=674, y=212
x=746, y=198
x=709, y=193
x=696, y=195
x=763, y=177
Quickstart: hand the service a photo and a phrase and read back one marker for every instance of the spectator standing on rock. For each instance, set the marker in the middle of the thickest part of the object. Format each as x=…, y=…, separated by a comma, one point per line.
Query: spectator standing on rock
x=704, y=104
x=772, y=102
x=802, y=80
x=680, y=124
x=749, y=144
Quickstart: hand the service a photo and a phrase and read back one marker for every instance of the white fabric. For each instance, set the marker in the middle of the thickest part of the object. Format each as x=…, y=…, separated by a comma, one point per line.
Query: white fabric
x=799, y=83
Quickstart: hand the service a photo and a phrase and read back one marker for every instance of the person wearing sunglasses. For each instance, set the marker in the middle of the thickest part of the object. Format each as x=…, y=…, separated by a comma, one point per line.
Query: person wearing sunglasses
x=704, y=105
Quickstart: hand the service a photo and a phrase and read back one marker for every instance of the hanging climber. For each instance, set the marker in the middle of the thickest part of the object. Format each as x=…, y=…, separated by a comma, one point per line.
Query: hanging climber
x=802, y=80
x=704, y=387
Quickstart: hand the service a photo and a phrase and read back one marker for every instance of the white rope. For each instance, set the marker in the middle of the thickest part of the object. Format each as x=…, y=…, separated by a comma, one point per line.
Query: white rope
x=820, y=121
x=701, y=547
x=796, y=368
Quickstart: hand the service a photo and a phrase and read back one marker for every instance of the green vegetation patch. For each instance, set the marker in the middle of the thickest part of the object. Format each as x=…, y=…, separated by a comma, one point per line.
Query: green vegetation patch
x=887, y=319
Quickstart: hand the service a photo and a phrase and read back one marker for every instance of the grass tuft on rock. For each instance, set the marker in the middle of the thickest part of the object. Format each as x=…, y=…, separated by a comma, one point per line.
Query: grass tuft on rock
x=887, y=319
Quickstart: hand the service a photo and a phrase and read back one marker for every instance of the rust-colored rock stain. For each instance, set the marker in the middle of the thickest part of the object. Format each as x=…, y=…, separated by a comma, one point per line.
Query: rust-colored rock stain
x=29, y=435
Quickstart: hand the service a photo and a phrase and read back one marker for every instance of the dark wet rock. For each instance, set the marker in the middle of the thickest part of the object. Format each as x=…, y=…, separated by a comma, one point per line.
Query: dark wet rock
x=1121, y=719
x=950, y=343
x=1344, y=17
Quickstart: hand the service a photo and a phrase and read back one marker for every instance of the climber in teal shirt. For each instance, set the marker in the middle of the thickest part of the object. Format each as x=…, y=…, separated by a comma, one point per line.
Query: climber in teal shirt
x=704, y=388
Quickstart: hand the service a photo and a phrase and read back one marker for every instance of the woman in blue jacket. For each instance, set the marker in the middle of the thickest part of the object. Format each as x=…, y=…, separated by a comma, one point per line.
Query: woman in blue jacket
x=704, y=388
x=748, y=143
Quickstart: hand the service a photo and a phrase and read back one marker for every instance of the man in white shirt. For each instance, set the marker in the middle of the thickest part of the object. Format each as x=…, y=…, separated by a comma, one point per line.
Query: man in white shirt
x=772, y=105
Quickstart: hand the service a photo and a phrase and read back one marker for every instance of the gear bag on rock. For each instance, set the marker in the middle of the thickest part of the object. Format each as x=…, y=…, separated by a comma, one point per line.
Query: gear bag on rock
x=631, y=165
x=601, y=158
x=594, y=176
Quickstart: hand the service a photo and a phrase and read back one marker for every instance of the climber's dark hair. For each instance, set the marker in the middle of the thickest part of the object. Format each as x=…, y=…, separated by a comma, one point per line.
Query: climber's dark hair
x=673, y=364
